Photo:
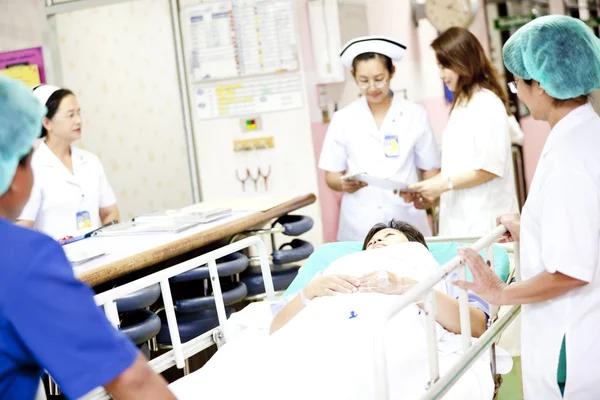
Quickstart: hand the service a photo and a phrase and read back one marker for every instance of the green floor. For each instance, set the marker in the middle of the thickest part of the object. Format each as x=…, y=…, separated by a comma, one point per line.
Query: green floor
x=511, y=383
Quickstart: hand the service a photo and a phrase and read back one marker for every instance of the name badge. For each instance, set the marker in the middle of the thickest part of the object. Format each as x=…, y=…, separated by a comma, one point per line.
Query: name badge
x=390, y=146
x=83, y=220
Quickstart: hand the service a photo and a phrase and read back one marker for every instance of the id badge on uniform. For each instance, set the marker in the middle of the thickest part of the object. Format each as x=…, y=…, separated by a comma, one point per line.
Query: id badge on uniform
x=390, y=146
x=83, y=220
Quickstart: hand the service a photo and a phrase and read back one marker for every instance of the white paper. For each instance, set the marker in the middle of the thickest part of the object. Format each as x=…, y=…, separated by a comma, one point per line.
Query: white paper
x=80, y=254
x=382, y=183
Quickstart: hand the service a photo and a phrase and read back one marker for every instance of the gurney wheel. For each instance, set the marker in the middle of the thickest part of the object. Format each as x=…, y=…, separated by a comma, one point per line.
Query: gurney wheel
x=497, y=384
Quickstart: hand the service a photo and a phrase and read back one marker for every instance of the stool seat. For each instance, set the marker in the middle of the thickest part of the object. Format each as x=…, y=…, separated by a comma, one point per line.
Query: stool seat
x=138, y=300
x=231, y=264
x=234, y=295
x=295, y=225
x=281, y=280
x=140, y=326
x=191, y=325
x=294, y=251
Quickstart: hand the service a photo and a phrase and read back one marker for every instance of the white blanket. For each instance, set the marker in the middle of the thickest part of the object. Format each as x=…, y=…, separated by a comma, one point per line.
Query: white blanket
x=327, y=350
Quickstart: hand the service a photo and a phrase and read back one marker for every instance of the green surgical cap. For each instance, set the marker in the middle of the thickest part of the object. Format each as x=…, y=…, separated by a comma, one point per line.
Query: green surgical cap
x=559, y=52
x=21, y=117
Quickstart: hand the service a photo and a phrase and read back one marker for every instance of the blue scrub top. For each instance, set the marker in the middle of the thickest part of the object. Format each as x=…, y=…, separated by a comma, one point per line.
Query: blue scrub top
x=49, y=321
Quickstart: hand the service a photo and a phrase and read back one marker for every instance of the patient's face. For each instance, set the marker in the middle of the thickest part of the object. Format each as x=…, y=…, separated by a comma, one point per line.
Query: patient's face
x=386, y=237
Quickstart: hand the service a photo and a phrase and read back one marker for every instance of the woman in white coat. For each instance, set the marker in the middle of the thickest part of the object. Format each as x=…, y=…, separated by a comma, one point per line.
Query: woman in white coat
x=556, y=63
x=379, y=134
x=71, y=194
x=476, y=183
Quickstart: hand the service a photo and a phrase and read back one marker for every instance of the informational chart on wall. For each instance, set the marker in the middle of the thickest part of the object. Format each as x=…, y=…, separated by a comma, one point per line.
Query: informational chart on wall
x=253, y=97
x=25, y=65
x=240, y=38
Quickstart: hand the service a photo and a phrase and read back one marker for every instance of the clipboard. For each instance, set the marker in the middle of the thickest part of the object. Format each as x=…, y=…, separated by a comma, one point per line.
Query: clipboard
x=381, y=183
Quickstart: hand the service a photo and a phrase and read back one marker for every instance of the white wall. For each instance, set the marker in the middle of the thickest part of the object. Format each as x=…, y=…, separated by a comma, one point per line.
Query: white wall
x=120, y=61
x=19, y=25
x=292, y=160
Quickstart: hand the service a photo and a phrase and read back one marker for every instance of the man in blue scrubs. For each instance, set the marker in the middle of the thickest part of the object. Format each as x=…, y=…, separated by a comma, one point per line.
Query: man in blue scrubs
x=48, y=319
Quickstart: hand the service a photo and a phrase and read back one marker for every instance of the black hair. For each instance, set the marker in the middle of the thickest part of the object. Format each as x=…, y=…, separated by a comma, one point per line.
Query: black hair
x=581, y=100
x=387, y=62
x=23, y=160
x=53, y=104
x=411, y=233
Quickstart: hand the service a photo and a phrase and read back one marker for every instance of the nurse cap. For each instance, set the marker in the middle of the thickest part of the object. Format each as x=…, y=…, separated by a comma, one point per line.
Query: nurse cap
x=43, y=92
x=371, y=44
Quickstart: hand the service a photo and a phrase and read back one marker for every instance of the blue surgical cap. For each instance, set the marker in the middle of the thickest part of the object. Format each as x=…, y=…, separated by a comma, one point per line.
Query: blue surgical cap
x=561, y=53
x=21, y=117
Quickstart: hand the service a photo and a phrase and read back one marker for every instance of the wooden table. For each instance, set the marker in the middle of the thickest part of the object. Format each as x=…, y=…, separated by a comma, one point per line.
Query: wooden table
x=101, y=273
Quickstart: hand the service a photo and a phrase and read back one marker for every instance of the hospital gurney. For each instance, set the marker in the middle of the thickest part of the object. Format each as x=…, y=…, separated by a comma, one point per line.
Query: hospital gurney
x=439, y=385
x=182, y=351
x=219, y=335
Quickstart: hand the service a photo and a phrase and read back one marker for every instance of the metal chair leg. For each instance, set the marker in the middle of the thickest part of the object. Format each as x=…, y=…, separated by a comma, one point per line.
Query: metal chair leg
x=153, y=344
x=186, y=367
x=53, y=387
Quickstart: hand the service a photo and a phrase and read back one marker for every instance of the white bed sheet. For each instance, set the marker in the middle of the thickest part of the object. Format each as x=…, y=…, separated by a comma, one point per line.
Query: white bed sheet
x=323, y=353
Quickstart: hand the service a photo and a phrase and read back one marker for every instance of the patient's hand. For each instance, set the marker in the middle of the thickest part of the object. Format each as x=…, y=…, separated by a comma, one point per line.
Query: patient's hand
x=385, y=283
x=330, y=285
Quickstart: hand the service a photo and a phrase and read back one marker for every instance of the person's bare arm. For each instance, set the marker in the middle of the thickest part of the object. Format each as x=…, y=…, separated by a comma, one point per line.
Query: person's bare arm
x=427, y=174
x=109, y=214
x=447, y=308
x=25, y=223
x=448, y=315
x=139, y=382
x=542, y=287
x=334, y=182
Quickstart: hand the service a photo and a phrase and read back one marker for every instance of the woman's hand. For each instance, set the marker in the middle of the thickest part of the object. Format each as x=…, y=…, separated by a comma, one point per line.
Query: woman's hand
x=430, y=188
x=351, y=186
x=486, y=283
x=419, y=201
x=330, y=285
x=384, y=282
x=512, y=223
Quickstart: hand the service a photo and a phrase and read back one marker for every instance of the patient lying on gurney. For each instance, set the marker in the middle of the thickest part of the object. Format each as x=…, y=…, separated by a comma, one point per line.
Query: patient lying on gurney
x=325, y=349
x=385, y=282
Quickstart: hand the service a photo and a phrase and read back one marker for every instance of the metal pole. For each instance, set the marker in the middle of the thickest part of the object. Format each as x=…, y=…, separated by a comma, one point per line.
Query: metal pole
x=185, y=101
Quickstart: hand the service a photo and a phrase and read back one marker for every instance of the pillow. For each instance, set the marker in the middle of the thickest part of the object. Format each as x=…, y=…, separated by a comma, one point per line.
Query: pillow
x=442, y=252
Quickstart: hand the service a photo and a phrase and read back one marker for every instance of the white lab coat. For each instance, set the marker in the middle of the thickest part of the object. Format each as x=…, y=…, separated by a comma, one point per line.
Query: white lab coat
x=58, y=195
x=354, y=144
x=477, y=138
x=560, y=232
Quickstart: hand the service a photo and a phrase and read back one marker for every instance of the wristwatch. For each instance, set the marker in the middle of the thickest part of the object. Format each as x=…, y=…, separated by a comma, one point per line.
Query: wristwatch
x=450, y=184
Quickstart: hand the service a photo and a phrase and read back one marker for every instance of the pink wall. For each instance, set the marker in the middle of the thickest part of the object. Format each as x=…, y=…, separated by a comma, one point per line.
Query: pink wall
x=535, y=135
x=330, y=200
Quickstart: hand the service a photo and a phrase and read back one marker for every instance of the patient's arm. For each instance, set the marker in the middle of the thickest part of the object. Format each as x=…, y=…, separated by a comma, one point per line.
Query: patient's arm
x=286, y=314
x=448, y=314
x=324, y=286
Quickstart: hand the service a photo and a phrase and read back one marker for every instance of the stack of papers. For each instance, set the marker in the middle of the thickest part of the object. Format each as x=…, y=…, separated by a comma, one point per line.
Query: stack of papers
x=382, y=183
x=195, y=213
x=137, y=228
x=78, y=256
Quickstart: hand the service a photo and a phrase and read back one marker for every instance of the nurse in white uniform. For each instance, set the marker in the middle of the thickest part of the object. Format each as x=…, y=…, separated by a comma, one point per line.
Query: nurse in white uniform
x=380, y=134
x=71, y=194
x=556, y=63
x=477, y=180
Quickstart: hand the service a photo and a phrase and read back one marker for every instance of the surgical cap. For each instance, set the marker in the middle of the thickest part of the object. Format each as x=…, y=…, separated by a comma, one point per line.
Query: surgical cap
x=21, y=117
x=561, y=53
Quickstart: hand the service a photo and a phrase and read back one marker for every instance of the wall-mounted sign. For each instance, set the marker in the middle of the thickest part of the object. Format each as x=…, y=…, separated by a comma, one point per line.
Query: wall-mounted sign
x=514, y=22
x=25, y=65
